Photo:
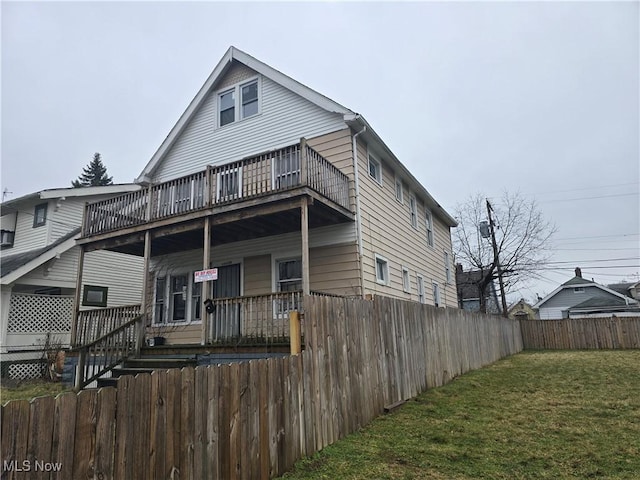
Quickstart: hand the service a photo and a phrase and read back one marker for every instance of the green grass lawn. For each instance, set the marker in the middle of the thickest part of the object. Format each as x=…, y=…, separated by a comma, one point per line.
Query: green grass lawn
x=534, y=415
x=29, y=390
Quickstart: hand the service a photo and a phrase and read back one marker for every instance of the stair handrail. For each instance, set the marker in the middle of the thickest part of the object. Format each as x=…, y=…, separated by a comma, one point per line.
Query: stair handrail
x=106, y=352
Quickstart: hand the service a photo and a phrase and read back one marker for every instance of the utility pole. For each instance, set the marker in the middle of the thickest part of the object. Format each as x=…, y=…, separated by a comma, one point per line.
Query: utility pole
x=496, y=259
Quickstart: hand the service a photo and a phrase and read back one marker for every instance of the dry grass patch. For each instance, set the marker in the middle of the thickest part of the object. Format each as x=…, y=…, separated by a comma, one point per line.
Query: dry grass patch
x=534, y=415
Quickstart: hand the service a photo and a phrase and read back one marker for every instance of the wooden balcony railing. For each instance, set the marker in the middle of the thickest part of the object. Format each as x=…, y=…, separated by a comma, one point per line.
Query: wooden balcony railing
x=279, y=170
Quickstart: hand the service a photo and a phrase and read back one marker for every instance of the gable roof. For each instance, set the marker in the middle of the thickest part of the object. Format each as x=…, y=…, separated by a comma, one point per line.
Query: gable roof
x=351, y=119
x=15, y=266
x=578, y=281
x=218, y=72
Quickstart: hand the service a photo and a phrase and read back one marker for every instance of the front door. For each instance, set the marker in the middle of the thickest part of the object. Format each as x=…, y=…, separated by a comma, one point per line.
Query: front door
x=226, y=289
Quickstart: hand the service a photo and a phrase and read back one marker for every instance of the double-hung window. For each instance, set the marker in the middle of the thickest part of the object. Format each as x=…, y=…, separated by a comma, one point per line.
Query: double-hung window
x=447, y=267
x=436, y=294
x=238, y=102
x=429, y=222
x=420, y=286
x=375, y=169
x=158, y=307
x=413, y=211
x=178, y=298
x=286, y=169
x=399, y=192
x=382, y=270
x=288, y=279
x=229, y=184
x=406, y=286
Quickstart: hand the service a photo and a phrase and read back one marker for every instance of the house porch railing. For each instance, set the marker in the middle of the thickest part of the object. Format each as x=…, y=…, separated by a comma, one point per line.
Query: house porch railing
x=94, y=324
x=254, y=319
x=279, y=170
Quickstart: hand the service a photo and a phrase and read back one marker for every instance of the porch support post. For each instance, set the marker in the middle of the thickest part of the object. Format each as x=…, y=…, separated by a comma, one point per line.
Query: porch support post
x=145, y=290
x=204, y=292
x=78, y=297
x=304, y=227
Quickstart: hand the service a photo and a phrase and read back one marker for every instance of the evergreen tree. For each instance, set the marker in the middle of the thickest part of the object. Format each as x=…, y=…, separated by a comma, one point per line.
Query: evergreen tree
x=93, y=175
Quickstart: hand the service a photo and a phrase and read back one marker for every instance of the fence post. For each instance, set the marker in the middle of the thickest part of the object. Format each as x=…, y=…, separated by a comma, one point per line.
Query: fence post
x=294, y=332
x=82, y=358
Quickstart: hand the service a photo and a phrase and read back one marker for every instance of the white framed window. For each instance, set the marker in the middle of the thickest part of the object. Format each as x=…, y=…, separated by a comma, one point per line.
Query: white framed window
x=420, y=287
x=399, y=191
x=447, y=267
x=413, y=211
x=429, y=222
x=177, y=299
x=382, y=270
x=288, y=277
x=227, y=107
x=178, y=285
x=286, y=169
x=436, y=294
x=159, y=303
x=406, y=283
x=229, y=184
x=239, y=102
x=375, y=169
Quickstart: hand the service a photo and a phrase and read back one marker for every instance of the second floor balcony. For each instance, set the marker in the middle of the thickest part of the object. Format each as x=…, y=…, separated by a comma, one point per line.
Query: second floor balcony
x=252, y=181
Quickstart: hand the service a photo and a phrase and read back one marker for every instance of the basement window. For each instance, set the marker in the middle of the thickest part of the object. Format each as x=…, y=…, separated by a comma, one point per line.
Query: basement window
x=94, y=296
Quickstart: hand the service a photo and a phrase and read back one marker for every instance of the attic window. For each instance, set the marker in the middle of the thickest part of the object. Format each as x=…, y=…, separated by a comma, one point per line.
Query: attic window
x=239, y=102
x=578, y=290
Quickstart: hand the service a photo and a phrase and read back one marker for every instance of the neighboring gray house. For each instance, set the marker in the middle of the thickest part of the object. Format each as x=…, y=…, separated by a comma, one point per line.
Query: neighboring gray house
x=38, y=270
x=469, y=294
x=580, y=298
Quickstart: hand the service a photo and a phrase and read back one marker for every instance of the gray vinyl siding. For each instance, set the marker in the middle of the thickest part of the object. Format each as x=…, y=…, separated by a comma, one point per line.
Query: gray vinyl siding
x=67, y=216
x=56, y=272
x=387, y=231
x=121, y=273
x=567, y=298
x=26, y=236
x=284, y=118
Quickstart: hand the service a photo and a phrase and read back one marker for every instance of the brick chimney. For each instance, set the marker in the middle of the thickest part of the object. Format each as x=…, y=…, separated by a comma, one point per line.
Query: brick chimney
x=578, y=272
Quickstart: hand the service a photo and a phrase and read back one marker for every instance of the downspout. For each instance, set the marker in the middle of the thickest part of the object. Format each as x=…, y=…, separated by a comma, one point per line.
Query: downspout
x=358, y=217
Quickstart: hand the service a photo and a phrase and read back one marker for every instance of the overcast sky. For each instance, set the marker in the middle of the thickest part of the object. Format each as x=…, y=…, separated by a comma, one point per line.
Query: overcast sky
x=541, y=98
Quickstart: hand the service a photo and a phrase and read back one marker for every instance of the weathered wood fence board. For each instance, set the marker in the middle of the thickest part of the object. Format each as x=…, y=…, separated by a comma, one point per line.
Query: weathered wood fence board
x=581, y=333
x=253, y=420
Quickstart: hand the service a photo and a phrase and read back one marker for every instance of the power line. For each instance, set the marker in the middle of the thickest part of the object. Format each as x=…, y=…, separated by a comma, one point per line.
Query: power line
x=590, y=198
x=598, y=260
x=600, y=236
x=584, y=188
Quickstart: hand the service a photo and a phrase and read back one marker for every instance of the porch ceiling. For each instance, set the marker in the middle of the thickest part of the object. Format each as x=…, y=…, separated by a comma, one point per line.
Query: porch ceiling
x=189, y=235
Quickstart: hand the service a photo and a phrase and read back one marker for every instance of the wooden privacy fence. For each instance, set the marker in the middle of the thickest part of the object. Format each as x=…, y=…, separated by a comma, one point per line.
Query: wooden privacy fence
x=254, y=419
x=581, y=333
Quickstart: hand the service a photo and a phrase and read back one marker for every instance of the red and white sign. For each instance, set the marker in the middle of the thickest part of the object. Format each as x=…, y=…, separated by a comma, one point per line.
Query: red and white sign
x=205, y=275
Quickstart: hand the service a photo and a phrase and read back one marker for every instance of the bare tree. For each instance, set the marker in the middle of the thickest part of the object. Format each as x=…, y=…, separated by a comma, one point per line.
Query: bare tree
x=522, y=239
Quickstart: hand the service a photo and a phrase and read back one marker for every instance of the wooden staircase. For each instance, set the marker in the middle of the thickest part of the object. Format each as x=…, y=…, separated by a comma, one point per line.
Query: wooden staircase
x=134, y=366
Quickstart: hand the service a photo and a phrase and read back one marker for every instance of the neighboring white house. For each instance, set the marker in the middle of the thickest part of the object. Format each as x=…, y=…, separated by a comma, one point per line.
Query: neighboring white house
x=39, y=263
x=581, y=298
